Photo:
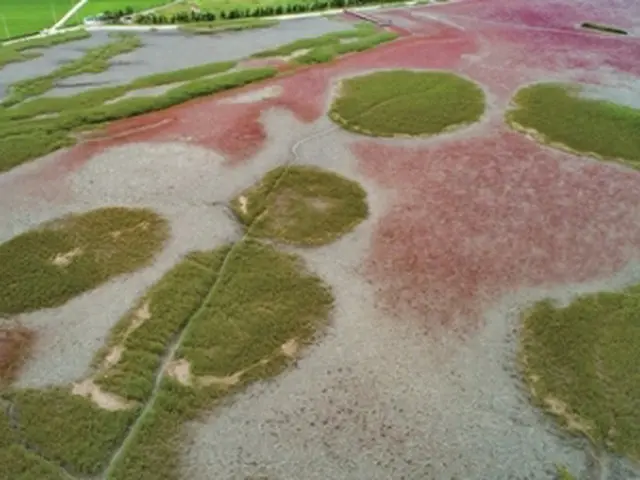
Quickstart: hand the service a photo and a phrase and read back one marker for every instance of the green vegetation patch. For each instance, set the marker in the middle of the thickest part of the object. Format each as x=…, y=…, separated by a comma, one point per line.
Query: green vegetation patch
x=326, y=48
x=263, y=306
x=562, y=473
x=16, y=462
x=210, y=28
x=603, y=28
x=400, y=102
x=98, y=96
x=34, y=137
x=182, y=75
x=94, y=60
x=559, y=116
x=48, y=266
x=142, y=337
x=302, y=205
x=581, y=363
x=15, y=345
x=69, y=429
x=21, y=51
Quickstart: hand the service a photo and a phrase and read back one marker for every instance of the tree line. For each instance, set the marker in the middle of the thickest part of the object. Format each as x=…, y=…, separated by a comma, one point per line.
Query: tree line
x=154, y=18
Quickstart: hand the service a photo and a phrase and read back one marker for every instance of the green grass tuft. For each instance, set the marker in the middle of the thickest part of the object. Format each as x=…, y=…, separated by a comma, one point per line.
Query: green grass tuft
x=48, y=266
x=302, y=205
x=562, y=473
x=559, y=115
x=581, y=365
x=400, y=102
x=69, y=429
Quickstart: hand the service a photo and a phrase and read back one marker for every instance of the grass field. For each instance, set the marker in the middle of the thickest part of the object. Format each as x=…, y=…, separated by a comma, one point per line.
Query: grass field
x=559, y=115
x=401, y=102
x=302, y=205
x=23, y=17
x=581, y=365
x=50, y=265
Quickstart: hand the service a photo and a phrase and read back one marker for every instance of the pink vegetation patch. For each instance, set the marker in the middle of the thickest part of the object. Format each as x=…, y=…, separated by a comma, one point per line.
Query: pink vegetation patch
x=482, y=217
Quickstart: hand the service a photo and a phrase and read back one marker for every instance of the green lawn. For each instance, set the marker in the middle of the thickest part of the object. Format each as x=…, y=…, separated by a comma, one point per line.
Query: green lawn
x=581, y=364
x=403, y=102
x=560, y=116
x=22, y=17
x=302, y=205
x=49, y=265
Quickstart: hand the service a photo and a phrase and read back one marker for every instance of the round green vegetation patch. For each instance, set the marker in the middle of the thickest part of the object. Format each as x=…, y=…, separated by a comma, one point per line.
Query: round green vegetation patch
x=48, y=266
x=302, y=205
x=558, y=114
x=401, y=102
x=581, y=363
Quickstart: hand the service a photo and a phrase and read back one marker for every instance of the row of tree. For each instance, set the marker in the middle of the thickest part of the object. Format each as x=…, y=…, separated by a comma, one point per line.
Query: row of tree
x=260, y=11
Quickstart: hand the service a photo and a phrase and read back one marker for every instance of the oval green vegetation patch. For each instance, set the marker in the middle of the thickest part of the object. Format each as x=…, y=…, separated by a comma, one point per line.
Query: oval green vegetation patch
x=48, y=266
x=581, y=364
x=559, y=115
x=302, y=205
x=400, y=102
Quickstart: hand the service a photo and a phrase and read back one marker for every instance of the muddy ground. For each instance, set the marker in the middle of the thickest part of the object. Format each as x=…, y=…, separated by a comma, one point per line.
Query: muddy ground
x=416, y=378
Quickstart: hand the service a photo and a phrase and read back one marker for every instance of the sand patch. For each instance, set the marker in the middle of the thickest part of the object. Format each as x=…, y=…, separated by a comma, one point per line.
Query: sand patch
x=65, y=259
x=256, y=95
x=320, y=204
x=290, y=348
x=227, y=381
x=142, y=314
x=243, y=204
x=560, y=409
x=104, y=400
x=180, y=370
x=113, y=356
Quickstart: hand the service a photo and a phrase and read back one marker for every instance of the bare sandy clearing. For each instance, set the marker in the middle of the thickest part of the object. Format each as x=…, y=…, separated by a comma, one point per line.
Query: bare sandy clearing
x=64, y=259
x=105, y=400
